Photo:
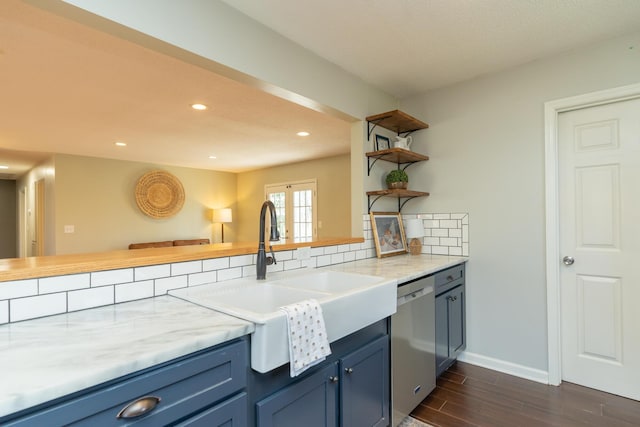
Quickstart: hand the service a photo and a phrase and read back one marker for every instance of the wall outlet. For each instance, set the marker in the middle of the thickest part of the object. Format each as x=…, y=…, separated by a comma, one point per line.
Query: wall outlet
x=303, y=253
x=69, y=229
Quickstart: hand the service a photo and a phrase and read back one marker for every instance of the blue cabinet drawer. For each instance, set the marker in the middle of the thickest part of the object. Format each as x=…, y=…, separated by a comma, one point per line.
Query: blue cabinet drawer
x=231, y=412
x=184, y=387
x=449, y=278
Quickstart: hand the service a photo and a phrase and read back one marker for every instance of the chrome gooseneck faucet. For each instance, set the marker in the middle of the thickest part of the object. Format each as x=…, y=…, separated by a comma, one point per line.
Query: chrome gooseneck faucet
x=263, y=260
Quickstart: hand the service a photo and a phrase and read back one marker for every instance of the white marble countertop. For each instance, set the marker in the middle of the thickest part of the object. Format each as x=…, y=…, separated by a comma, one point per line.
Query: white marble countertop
x=47, y=358
x=401, y=268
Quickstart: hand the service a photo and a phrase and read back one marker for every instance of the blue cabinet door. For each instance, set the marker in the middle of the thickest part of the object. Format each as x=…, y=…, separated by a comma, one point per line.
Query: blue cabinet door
x=364, y=386
x=310, y=402
x=450, y=327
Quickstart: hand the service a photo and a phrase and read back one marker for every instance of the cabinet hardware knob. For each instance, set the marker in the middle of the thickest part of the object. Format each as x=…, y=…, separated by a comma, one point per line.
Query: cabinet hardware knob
x=139, y=407
x=568, y=260
x=348, y=370
x=333, y=379
x=449, y=278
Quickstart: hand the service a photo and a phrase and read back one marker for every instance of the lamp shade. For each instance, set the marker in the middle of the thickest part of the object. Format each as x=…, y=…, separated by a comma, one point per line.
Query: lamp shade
x=413, y=228
x=222, y=216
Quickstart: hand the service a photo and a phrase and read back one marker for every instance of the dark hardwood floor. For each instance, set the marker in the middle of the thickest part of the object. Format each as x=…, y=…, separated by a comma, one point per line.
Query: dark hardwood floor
x=467, y=395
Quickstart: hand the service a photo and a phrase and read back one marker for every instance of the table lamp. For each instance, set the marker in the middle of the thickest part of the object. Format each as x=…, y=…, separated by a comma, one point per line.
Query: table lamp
x=414, y=230
x=222, y=216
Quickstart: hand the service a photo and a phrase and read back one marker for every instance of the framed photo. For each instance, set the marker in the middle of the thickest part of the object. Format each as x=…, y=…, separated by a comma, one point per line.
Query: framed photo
x=388, y=233
x=382, y=142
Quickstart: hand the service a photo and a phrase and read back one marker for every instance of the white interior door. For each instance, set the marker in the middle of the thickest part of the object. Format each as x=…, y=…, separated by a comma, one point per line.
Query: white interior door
x=599, y=192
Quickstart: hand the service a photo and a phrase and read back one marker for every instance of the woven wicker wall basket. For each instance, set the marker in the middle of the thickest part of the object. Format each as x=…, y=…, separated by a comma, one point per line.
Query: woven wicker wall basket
x=159, y=194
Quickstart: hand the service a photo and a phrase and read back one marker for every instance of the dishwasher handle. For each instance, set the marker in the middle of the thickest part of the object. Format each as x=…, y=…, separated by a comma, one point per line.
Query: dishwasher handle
x=410, y=297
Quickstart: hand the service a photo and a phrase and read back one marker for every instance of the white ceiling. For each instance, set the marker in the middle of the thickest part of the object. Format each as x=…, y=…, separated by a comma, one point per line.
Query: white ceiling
x=70, y=89
x=406, y=47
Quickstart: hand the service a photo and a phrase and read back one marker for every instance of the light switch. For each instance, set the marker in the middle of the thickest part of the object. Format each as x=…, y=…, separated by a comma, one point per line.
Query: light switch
x=68, y=229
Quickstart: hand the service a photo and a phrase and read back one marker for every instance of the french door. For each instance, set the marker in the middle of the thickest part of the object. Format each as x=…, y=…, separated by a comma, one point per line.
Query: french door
x=296, y=209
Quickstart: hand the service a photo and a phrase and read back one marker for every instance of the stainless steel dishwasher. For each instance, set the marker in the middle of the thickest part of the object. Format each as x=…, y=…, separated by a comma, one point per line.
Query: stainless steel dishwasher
x=413, y=364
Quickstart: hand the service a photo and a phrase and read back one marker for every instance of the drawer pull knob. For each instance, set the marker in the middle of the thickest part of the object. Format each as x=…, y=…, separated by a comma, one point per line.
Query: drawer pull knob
x=449, y=278
x=333, y=379
x=348, y=370
x=139, y=407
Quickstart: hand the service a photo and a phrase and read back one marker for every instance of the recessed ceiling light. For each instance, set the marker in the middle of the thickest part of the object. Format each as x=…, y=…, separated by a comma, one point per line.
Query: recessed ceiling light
x=212, y=157
x=121, y=144
x=303, y=133
x=4, y=167
x=198, y=106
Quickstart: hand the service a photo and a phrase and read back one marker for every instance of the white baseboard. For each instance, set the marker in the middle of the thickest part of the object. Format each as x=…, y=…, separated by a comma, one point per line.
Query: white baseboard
x=521, y=371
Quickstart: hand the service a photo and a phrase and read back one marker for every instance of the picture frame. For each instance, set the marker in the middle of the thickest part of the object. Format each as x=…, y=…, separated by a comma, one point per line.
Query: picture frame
x=382, y=142
x=388, y=234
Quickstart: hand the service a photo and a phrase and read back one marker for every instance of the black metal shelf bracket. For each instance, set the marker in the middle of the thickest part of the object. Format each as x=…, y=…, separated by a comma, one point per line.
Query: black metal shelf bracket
x=401, y=203
x=376, y=158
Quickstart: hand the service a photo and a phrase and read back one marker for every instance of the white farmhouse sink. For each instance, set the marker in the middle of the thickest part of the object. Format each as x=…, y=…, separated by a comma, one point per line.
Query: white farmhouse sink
x=349, y=302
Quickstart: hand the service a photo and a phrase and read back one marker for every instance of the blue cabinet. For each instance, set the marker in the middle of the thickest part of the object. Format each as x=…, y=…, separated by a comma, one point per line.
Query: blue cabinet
x=350, y=391
x=310, y=402
x=450, y=316
x=205, y=388
x=364, y=386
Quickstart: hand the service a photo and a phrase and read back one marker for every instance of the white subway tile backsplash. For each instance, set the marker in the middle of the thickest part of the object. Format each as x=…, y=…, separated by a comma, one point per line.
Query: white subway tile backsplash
x=337, y=258
x=293, y=264
x=229, y=273
x=111, y=277
x=432, y=241
x=163, y=285
x=38, y=306
x=71, y=282
x=449, y=241
x=134, y=291
x=458, y=215
x=188, y=267
x=430, y=223
x=317, y=251
x=215, y=264
x=284, y=255
x=349, y=256
x=343, y=248
x=323, y=260
x=240, y=261
x=18, y=288
x=355, y=246
x=89, y=298
x=361, y=254
x=152, y=272
x=442, y=216
x=455, y=251
x=455, y=232
x=440, y=250
x=274, y=267
x=202, y=278
x=328, y=250
x=440, y=232
x=449, y=223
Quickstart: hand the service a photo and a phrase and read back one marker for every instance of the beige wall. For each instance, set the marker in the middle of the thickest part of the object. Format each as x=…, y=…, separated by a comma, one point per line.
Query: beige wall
x=96, y=196
x=334, y=194
x=8, y=198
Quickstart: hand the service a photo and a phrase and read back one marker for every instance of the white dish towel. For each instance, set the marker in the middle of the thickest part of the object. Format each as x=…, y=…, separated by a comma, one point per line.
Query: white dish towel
x=308, y=343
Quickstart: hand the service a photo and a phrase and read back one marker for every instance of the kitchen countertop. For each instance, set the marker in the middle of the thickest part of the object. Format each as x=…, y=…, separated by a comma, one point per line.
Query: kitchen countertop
x=50, y=357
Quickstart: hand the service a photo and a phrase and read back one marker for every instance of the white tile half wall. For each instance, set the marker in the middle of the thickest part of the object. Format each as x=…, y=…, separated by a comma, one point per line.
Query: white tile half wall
x=444, y=233
x=32, y=298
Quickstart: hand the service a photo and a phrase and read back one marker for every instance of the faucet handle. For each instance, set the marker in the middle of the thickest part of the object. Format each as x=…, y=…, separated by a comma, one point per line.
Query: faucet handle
x=271, y=259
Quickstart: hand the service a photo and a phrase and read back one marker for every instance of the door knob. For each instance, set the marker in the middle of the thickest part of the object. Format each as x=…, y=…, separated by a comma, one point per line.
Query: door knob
x=568, y=260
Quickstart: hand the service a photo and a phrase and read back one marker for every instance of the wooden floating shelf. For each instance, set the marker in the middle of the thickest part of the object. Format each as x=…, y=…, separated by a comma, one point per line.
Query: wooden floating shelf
x=398, y=155
x=397, y=121
x=397, y=193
